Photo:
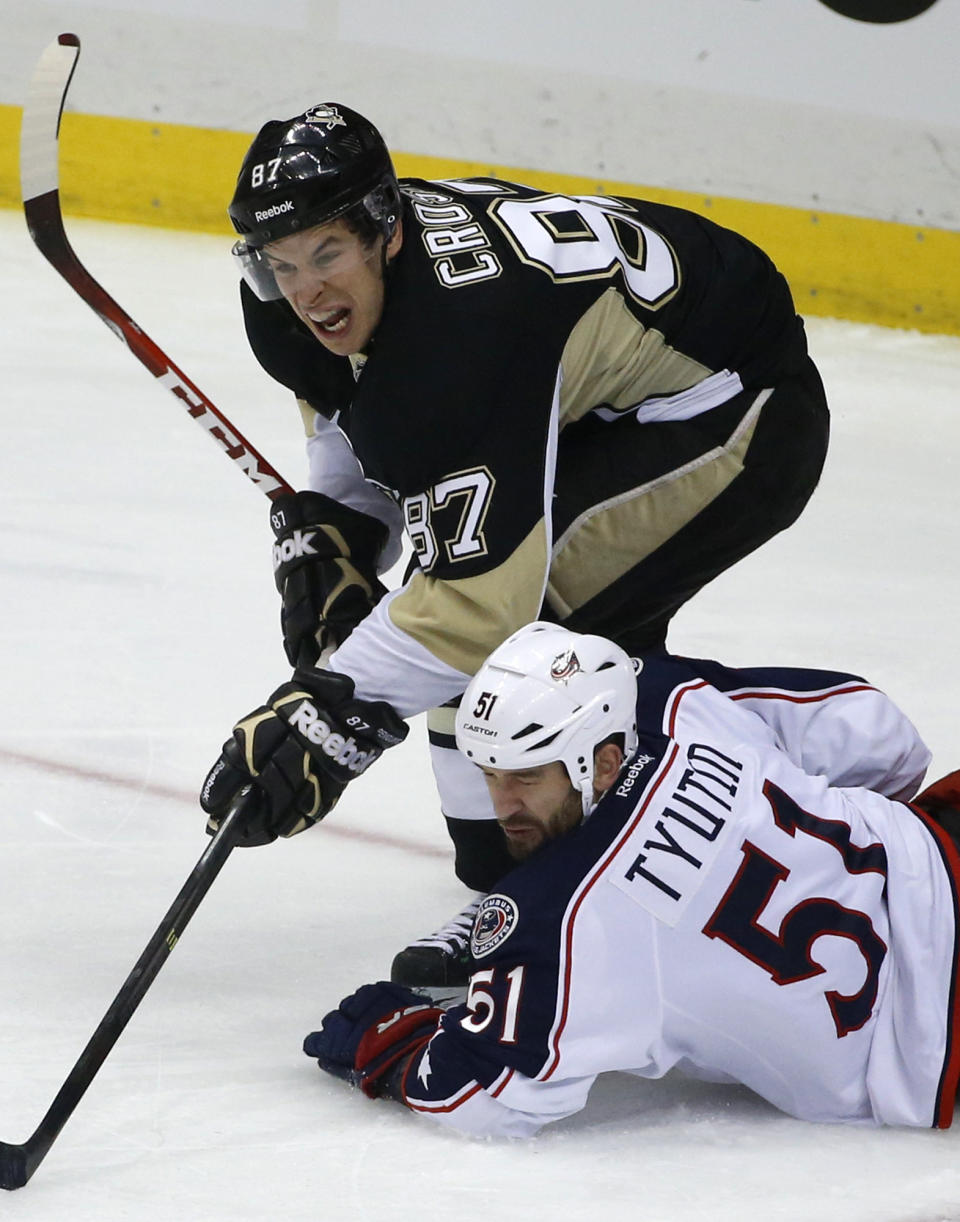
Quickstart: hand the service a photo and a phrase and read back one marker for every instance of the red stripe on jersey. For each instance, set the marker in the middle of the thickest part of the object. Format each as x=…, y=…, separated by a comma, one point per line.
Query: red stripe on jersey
x=599, y=870
x=793, y=698
x=496, y=1093
x=761, y=694
x=671, y=720
x=447, y=1105
x=950, y=1077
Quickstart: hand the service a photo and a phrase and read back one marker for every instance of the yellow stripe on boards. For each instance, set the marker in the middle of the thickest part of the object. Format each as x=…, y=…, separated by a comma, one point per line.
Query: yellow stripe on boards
x=182, y=177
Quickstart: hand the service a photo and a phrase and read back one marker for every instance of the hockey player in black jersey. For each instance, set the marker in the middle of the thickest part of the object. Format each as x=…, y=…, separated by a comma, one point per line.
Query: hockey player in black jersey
x=578, y=408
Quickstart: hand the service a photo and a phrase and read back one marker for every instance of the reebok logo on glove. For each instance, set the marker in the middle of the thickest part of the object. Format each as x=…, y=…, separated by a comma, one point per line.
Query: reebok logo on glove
x=297, y=753
x=208, y=784
x=294, y=546
x=344, y=751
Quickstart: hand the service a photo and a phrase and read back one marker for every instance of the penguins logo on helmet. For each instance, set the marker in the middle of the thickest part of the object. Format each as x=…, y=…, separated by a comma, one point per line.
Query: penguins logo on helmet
x=325, y=115
x=325, y=164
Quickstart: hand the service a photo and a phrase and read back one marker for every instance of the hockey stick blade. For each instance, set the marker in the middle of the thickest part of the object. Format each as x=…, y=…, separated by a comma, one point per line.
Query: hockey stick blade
x=13, y=1165
x=18, y=1162
x=40, y=185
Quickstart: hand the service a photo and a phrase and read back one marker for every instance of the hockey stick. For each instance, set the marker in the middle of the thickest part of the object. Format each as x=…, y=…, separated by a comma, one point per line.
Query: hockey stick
x=18, y=1162
x=39, y=180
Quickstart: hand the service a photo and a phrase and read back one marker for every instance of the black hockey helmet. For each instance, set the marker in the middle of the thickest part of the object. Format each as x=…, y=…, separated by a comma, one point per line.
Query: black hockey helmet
x=326, y=163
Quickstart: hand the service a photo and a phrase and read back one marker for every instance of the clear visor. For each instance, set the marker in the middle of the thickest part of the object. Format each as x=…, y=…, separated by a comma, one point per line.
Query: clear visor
x=291, y=264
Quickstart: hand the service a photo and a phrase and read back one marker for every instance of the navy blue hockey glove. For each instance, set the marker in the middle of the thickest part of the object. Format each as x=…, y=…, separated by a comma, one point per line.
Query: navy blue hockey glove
x=325, y=566
x=370, y=1038
x=297, y=753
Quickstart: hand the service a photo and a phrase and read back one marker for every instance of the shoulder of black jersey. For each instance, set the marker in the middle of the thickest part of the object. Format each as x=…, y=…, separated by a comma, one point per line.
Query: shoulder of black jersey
x=460, y=258
x=455, y=378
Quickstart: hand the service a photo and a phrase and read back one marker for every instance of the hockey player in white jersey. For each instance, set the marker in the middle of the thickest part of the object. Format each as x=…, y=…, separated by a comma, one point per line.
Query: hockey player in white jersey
x=718, y=871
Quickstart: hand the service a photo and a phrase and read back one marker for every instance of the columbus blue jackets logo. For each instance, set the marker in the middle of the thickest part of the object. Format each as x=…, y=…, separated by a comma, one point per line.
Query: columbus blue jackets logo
x=495, y=921
x=564, y=666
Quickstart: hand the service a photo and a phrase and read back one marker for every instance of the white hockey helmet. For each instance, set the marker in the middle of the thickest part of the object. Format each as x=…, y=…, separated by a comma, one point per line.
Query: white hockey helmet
x=549, y=695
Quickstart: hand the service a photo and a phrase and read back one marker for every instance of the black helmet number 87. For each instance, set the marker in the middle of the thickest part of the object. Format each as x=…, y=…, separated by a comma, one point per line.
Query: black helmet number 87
x=259, y=175
x=317, y=167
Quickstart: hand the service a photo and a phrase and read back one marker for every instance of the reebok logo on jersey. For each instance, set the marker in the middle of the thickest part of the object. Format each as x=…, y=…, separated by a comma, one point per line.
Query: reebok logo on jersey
x=672, y=849
x=306, y=719
x=268, y=214
x=628, y=780
x=296, y=545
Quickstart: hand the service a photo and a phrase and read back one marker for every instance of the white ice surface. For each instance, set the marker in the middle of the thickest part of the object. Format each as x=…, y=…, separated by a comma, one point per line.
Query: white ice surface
x=139, y=620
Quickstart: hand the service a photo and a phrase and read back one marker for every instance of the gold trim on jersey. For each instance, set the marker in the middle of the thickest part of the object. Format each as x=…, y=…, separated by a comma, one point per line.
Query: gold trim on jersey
x=462, y=621
x=609, y=539
x=565, y=235
x=611, y=359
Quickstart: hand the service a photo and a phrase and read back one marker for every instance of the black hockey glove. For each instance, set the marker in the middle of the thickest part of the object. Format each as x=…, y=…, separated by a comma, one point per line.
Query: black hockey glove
x=325, y=567
x=370, y=1039
x=297, y=752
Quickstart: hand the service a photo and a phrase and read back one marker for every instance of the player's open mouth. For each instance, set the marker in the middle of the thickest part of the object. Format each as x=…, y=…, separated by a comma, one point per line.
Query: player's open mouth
x=333, y=322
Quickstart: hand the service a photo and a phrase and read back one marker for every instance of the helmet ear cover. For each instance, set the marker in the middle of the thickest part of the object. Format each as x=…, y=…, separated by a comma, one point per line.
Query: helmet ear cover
x=550, y=695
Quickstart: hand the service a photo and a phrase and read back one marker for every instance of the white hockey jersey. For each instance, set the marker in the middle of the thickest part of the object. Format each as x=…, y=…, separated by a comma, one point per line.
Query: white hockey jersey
x=754, y=902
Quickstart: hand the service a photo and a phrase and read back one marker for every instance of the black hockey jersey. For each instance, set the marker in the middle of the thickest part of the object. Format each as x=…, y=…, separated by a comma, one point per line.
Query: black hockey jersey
x=511, y=314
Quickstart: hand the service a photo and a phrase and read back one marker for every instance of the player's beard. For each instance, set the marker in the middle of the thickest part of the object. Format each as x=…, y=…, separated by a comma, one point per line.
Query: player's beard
x=541, y=832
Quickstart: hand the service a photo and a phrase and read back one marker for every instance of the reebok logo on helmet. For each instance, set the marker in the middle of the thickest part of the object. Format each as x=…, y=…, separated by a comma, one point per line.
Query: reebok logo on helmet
x=268, y=214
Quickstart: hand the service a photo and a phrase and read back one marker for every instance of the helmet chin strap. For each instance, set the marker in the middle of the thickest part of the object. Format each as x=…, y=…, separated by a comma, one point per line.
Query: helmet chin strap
x=586, y=787
x=386, y=265
x=386, y=272
x=586, y=795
